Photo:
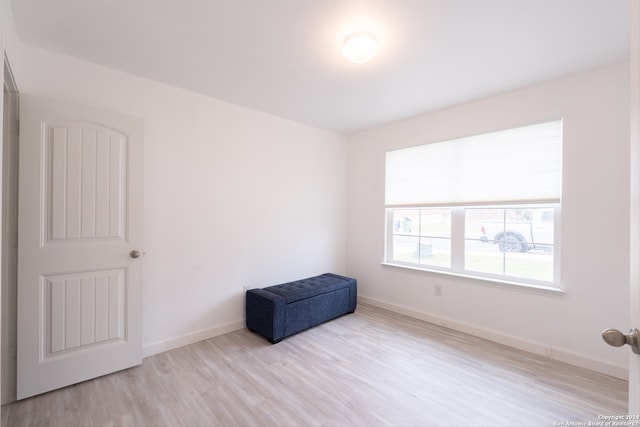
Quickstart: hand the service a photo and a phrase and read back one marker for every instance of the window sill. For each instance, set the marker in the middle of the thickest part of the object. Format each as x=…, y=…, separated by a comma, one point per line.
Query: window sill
x=511, y=284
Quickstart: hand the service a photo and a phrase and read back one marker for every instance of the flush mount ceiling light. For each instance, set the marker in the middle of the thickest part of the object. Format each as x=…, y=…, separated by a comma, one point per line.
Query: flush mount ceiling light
x=360, y=47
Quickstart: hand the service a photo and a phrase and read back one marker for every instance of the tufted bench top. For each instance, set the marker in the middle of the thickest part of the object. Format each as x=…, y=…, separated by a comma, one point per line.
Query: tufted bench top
x=308, y=288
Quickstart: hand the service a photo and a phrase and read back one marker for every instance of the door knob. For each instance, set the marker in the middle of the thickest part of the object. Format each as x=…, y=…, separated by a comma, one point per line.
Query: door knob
x=135, y=254
x=616, y=338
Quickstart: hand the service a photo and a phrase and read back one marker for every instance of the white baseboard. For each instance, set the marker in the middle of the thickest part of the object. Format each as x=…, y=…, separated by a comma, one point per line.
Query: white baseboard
x=190, y=338
x=617, y=371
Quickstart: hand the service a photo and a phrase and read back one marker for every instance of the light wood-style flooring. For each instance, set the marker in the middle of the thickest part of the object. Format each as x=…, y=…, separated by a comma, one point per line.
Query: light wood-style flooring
x=370, y=368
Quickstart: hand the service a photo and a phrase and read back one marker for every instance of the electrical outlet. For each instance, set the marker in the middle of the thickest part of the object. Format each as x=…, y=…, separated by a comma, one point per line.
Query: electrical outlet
x=437, y=290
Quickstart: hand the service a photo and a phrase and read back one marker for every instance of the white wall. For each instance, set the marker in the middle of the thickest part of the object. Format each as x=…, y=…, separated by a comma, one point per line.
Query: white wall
x=233, y=197
x=594, y=227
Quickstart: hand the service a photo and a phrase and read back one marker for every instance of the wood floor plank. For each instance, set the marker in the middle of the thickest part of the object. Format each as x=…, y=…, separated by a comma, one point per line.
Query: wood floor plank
x=371, y=368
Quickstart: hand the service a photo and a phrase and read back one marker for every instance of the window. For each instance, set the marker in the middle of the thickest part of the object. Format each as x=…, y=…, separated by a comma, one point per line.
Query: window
x=484, y=206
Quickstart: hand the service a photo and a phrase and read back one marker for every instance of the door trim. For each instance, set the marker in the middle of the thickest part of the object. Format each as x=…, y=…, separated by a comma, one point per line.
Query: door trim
x=9, y=215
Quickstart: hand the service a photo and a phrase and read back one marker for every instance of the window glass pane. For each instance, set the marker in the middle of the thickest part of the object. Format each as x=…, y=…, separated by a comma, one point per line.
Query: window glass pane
x=405, y=249
x=435, y=252
x=482, y=257
x=435, y=222
x=530, y=265
x=480, y=253
x=406, y=237
x=474, y=220
x=406, y=221
x=435, y=232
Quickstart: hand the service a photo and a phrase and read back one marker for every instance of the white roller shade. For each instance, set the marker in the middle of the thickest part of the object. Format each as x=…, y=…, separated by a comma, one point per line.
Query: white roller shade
x=516, y=165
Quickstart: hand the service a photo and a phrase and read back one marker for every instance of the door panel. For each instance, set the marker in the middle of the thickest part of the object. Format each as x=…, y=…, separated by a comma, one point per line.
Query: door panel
x=79, y=291
x=86, y=168
x=83, y=310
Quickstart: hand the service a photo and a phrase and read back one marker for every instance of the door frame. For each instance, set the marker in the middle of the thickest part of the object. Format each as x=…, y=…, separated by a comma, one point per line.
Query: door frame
x=9, y=221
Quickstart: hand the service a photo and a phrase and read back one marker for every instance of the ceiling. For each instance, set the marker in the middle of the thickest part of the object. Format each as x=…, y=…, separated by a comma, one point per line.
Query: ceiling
x=283, y=56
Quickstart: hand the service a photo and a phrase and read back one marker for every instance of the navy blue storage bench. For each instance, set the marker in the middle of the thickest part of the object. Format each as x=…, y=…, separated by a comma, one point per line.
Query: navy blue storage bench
x=282, y=310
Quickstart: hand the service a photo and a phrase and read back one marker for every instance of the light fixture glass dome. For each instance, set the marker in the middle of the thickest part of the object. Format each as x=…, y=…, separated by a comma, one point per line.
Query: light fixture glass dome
x=360, y=47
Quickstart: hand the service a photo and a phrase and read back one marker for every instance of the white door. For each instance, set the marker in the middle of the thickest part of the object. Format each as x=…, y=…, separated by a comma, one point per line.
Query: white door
x=80, y=225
